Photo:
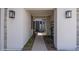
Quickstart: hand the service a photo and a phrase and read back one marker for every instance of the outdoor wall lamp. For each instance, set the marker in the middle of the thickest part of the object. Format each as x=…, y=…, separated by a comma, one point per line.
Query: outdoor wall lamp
x=11, y=14
x=68, y=14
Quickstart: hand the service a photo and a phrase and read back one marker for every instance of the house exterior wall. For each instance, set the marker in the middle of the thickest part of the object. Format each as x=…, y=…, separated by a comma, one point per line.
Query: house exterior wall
x=78, y=27
x=27, y=26
x=18, y=29
x=2, y=29
x=55, y=28
x=66, y=30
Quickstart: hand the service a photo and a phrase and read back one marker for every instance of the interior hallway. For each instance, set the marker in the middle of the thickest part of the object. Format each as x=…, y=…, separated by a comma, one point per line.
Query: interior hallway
x=39, y=44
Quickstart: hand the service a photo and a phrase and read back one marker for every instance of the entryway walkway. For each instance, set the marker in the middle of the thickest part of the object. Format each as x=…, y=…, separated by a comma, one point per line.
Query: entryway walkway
x=39, y=44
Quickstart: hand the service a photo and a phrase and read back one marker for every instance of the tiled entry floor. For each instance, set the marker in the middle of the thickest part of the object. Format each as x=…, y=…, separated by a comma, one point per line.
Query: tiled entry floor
x=39, y=44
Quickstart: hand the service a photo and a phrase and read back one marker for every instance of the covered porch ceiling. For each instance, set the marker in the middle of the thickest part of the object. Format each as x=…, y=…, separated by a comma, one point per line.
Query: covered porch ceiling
x=40, y=11
x=39, y=8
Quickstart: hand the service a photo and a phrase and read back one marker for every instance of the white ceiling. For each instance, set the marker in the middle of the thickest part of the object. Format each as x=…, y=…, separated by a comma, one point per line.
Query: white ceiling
x=40, y=11
x=39, y=8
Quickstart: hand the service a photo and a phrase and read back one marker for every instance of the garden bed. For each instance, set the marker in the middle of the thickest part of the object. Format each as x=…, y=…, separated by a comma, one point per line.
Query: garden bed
x=29, y=44
x=49, y=43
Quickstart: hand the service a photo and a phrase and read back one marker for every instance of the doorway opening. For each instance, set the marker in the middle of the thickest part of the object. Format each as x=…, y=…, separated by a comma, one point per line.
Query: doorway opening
x=42, y=22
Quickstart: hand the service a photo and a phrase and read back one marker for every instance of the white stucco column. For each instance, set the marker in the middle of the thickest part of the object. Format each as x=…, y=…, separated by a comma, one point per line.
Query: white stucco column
x=65, y=29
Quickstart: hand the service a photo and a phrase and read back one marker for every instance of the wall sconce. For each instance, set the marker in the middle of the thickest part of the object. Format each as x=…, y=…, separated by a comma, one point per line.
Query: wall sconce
x=11, y=14
x=68, y=14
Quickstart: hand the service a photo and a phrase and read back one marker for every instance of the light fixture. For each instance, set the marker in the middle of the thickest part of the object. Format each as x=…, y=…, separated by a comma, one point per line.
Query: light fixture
x=68, y=14
x=11, y=14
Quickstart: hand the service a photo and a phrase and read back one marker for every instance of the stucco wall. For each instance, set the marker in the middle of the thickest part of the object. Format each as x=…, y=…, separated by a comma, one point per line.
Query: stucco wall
x=27, y=29
x=2, y=29
x=18, y=29
x=55, y=28
x=77, y=27
x=66, y=30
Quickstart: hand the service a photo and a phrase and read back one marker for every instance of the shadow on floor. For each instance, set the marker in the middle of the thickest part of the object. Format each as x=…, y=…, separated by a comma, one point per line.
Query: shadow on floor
x=49, y=43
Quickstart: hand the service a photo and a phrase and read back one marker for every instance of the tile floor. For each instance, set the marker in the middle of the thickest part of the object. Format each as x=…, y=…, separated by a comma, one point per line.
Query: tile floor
x=39, y=44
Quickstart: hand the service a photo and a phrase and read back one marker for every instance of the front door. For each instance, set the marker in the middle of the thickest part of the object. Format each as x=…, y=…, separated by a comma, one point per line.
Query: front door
x=39, y=26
